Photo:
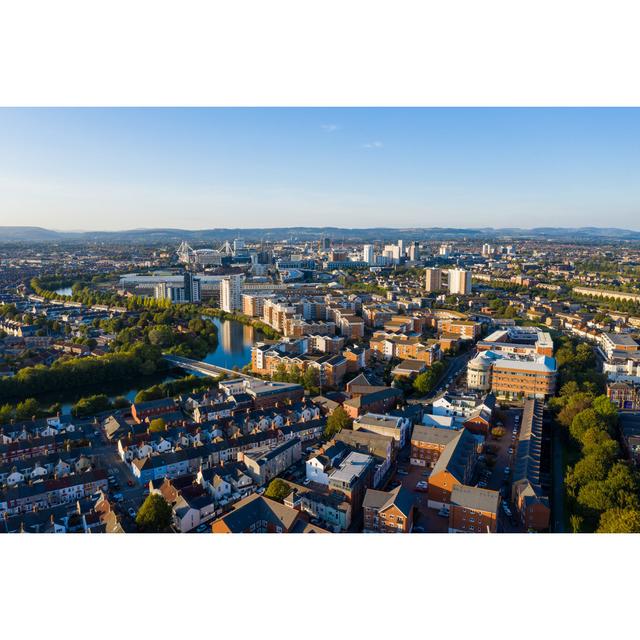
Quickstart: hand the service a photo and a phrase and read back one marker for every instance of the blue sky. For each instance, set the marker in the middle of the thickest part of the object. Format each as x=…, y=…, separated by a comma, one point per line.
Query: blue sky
x=205, y=168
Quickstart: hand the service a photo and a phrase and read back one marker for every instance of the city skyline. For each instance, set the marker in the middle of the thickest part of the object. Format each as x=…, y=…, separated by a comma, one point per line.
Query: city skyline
x=120, y=169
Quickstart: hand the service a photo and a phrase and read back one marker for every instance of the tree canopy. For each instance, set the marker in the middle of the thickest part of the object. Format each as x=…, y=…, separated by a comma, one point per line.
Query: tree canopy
x=154, y=515
x=157, y=424
x=336, y=422
x=278, y=489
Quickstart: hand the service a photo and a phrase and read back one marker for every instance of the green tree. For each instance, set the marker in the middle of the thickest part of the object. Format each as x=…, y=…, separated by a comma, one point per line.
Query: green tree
x=570, y=406
x=280, y=374
x=278, y=489
x=424, y=382
x=157, y=424
x=606, y=410
x=585, y=420
x=152, y=393
x=311, y=380
x=154, y=515
x=295, y=375
x=620, y=521
x=589, y=469
x=622, y=486
x=6, y=413
x=27, y=409
x=91, y=405
x=336, y=422
x=576, y=521
x=596, y=440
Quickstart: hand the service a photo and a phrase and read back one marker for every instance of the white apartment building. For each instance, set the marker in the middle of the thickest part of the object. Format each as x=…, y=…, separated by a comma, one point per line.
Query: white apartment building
x=367, y=254
x=231, y=293
x=459, y=281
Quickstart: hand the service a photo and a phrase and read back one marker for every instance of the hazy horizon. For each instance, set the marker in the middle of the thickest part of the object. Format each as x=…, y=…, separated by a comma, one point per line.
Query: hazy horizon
x=109, y=169
x=309, y=226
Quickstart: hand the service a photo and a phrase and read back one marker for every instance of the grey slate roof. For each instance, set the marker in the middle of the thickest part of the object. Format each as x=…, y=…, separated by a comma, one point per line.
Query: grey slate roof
x=475, y=498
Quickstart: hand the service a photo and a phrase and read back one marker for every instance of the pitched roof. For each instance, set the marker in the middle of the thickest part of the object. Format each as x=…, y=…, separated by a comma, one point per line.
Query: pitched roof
x=456, y=454
x=475, y=498
x=256, y=508
x=399, y=497
x=526, y=471
x=433, y=435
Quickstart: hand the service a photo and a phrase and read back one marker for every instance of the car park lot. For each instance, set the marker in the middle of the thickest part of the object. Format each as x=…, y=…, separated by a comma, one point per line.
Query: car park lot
x=505, y=449
x=424, y=518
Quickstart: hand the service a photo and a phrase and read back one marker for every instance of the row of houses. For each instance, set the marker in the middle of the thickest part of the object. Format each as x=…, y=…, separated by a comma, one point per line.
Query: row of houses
x=48, y=493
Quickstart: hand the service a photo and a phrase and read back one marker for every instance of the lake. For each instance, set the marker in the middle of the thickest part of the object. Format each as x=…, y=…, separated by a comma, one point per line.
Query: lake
x=234, y=344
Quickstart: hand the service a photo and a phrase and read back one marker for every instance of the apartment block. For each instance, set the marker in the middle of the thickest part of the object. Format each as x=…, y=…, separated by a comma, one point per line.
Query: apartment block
x=462, y=329
x=428, y=443
x=473, y=510
x=455, y=466
x=388, y=511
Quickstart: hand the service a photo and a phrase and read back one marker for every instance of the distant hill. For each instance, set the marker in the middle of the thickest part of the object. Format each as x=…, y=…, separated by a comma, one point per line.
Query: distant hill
x=39, y=234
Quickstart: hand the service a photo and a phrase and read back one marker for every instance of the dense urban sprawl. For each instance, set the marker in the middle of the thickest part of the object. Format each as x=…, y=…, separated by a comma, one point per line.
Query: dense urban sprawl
x=417, y=385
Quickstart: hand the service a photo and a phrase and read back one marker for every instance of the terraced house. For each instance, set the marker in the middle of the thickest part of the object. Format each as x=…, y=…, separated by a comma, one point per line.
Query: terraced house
x=527, y=493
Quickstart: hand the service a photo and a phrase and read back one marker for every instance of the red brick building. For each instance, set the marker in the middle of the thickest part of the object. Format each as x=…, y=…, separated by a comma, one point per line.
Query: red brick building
x=388, y=511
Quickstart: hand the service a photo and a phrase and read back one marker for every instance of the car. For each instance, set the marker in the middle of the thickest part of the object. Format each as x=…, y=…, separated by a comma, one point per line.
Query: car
x=506, y=509
x=507, y=471
x=111, y=478
x=444, y=513
x=418, y=529
x=132, y=512
x=422, y=486
x=260, y=490
x=118, y=497
x=402, y=472
x=482, y=484
x=306, y=482
x=510, y=451
x=425, y=474
x=202, y=528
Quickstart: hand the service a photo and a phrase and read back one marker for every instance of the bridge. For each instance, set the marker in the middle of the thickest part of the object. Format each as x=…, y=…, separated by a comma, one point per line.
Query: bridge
x=197, y=366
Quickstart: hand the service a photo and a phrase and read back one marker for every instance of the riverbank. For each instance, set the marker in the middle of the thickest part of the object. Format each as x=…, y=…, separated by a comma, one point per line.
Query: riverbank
x=258, y=325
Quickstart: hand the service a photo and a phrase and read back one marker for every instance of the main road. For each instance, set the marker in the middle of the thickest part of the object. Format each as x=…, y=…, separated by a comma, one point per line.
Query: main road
x=455, y=366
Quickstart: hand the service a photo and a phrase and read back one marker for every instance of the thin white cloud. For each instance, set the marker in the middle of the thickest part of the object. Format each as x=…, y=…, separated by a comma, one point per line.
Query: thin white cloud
x=330, y=128
x=376, y=144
